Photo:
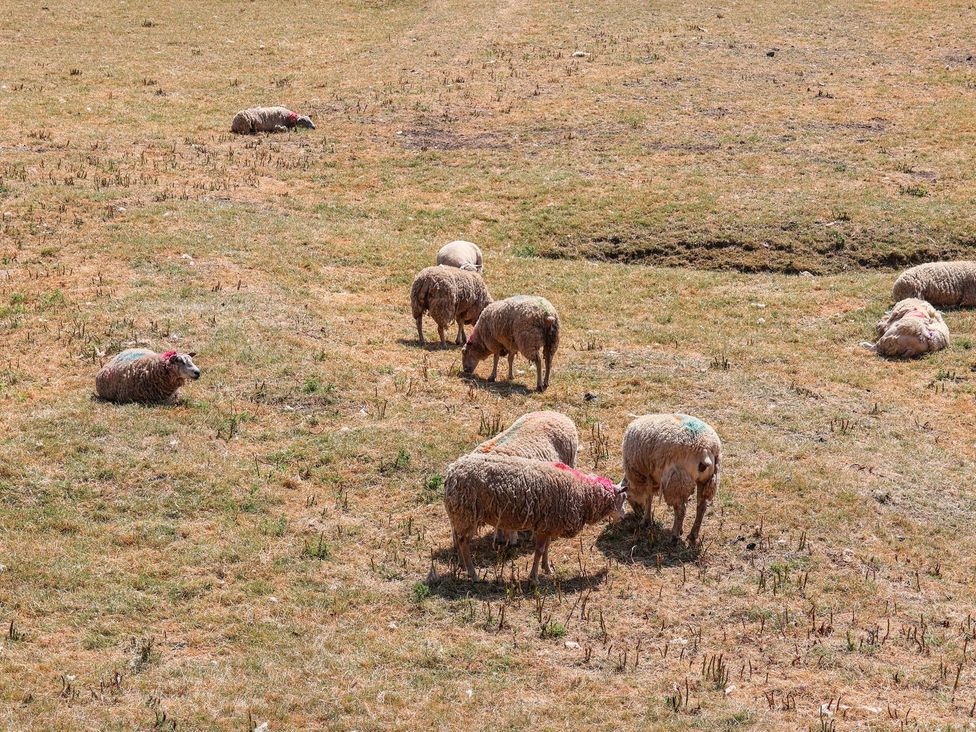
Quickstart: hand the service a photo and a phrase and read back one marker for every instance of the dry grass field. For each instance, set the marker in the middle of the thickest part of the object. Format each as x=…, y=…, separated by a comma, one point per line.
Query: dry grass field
x=274, y=547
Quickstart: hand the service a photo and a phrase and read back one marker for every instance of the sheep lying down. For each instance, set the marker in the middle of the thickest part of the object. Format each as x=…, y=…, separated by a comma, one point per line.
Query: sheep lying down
x=141, y=375
x=511, y=493
x=945, y=284
x=911, y=328
x=268, y=119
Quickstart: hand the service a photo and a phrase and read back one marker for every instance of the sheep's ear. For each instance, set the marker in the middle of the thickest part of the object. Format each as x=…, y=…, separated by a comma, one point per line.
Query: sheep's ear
x=620, y=488
x=192, y=354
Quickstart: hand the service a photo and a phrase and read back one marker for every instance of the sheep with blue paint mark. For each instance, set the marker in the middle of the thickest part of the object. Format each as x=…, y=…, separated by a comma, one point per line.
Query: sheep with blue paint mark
x=141, y=375
x=672, y=455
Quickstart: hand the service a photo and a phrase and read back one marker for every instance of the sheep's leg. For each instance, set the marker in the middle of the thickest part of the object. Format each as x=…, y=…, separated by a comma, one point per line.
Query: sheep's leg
x=494, y=368
x=541, y=542
x=511, y=362
x=459, y=341
x=440, y=332
x=548, y=361
x=679, y=520
x=420, y=329
x=505, y=538
x=464, y=549
x=699, y=515
x=546, y=565
x=538, y=373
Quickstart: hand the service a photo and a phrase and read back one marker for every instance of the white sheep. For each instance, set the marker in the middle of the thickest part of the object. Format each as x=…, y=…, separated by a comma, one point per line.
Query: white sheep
x=946, y=284
x=141, y=375
x=547, y=436
x=911, y=328
x=521, y=324
x=268, y=119
x=514, y=494
x=461, y=254
x=448, y=294
x=674, y=455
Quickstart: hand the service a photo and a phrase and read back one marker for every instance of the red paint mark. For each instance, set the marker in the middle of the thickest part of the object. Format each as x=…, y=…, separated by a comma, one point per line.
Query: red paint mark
x=293, y=117
x=595, y=479
x=168, y=355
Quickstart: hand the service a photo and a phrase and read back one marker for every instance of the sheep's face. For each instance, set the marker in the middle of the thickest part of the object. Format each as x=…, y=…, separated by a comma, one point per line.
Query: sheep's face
x=183, y=364
x=306, y=122
x=619, y=499
x=472, y=354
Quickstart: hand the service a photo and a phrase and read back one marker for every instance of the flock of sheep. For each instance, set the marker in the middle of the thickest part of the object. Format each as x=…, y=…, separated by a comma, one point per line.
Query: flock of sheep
x=525, y=478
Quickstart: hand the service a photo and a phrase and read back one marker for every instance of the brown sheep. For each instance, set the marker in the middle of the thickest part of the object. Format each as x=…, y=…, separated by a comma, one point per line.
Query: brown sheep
x=448, y=294
x=521, y=324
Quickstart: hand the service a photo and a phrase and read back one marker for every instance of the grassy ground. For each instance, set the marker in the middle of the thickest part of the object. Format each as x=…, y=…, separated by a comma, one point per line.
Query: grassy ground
x=263, y=551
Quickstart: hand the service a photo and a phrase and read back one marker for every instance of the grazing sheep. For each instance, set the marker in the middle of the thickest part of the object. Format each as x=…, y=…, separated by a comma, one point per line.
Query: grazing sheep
x=461, y=254
x=268, y=119
x=547, y=436
x=675, y=455
x=522, y=324
x=141, y=375
x=911, y=328
x=552, y=500
x=448, y=294
x=946, y=284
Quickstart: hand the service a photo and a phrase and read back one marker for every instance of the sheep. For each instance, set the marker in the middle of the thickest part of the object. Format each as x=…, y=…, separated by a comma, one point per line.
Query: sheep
x=448, y=294
x=946, y=284
x=461, y=254
x=268, y=119
x=521, y=324
x=674, y=455
x=546, y=436
x=141, y=375
x=512, y=493
x=911, y=328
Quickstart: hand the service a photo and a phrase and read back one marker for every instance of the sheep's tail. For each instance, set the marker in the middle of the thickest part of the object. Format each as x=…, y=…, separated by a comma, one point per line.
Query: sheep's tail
x=419, y=297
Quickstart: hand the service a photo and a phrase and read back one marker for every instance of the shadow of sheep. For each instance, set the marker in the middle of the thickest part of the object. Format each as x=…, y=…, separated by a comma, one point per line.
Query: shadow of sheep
x=628, y=542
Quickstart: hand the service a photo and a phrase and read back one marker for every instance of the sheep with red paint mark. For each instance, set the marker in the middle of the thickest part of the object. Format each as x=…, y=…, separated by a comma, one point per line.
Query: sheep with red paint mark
x=268, y=119
x=674, y=456
x=911, y=328
x=512, y=493
x=547, y=436
x=141, y=375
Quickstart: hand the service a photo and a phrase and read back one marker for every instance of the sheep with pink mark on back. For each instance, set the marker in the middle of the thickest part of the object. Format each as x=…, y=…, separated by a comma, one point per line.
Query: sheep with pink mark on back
x=675, y=456
x=547, y=436
x=911, y=328
x=141, y=375
x=512, y=493
x=268, y=119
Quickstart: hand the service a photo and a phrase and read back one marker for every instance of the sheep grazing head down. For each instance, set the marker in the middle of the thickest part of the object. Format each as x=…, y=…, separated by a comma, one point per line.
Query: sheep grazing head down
x=298, y=120
x=181, y=364
x=473, y=353
x=618, y=490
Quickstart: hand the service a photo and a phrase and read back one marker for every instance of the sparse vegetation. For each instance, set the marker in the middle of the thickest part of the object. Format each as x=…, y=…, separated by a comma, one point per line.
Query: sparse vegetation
x=274, y=547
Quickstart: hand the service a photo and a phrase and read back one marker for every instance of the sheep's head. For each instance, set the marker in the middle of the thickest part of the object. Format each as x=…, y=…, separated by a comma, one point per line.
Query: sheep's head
x=619, y=498
x=473, y=353
x=182, y=365
x=306, y=122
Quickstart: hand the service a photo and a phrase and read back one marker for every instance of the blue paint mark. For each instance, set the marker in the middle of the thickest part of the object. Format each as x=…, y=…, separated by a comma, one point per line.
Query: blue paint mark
x=132, y=355
x=693, y=425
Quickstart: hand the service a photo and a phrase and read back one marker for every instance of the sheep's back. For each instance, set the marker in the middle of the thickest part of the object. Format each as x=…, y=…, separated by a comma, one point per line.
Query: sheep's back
x=940, y=283
x=516, y=494
x=653, y=441
x=547, y=436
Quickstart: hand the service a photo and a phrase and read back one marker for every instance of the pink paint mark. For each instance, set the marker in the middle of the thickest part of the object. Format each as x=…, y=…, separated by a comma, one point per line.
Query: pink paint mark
x=168, y=355
x=596, y=479
x=916, y=314
x=293, y=117
x=471, y=335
